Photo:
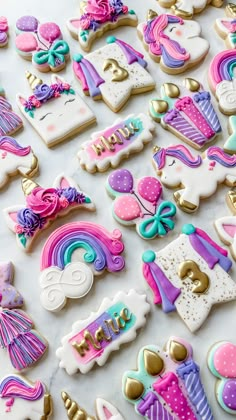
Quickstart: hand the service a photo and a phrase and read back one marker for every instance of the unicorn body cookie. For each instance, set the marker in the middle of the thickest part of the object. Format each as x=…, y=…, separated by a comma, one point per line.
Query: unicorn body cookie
x=186, y=112
x=63, y=276
x=198, y=177
x=41, y=43
x=187, y=8
x=3, y=32
x=174, y=43
x=113, y=73
x=43, y=206
x=97, y=17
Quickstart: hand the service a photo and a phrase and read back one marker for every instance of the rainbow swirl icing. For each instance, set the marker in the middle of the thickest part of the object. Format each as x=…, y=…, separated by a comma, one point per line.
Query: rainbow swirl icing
x=222, y=67
x=102, y=247
x=17, y=387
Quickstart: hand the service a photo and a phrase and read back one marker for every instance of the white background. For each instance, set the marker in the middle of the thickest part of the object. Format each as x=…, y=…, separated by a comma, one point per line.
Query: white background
x=104, y=381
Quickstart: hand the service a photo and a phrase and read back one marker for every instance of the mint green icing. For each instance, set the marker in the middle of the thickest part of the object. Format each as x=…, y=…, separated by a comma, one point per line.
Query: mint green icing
x=148, y=256
x=78, y=58
x=132, y=12
x=188, y=229
x=111, y=39
x=116, y=309
x=230, y=143
x=89, y=256
x=87, y=200
x=23, y=239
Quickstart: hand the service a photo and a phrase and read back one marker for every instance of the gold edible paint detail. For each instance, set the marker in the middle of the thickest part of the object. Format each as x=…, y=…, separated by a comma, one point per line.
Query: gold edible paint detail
x=200, y=279
x=231, y=9
x=100, y=335
x=151, y=14
x=232, y=200
x=181, y=13
x=153, y=363
x=28, y=186
x=110, y=324
x=74, y=411
x=33, y=80
x=47, y=407
x=81, y=347
x=133, y=389
x=177, y=351
x=159, y=106
x=156, y=149
x=191, y=84
x=118, y=72
x=171, y=90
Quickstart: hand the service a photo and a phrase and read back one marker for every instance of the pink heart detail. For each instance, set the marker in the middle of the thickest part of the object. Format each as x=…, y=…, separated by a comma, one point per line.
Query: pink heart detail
x=150, y=189
x=126, y=208
x=225, y=360
x=4, y=154
x=212, y=164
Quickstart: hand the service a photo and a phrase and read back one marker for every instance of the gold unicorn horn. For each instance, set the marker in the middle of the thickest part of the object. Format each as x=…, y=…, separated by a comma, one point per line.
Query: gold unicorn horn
x=33, y=80
x=74, y=411
x=28, y=185
x=156, y=149
x=151, y=14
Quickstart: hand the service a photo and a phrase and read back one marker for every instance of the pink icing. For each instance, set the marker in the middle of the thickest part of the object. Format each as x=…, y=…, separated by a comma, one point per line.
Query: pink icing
x=231, y=26
x=44, y=202
x=50, y=31
x=26, y=42
x=100, y=10
x=225, y=360
x=127, y=208
x=230, y=229
x=107, y=413
x=3, y=24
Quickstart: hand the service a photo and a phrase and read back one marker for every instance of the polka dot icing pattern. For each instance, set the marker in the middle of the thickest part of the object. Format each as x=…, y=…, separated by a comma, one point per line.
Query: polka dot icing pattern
x=3, y=31
x=138, y=202
x=222, y=363
x=187, y=112
x=43, y=42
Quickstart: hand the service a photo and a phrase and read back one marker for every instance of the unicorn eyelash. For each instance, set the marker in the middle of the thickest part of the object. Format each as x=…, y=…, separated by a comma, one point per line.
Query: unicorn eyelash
x=171, y=164
x=69, y=100
x=44, y=116
x=171, y=29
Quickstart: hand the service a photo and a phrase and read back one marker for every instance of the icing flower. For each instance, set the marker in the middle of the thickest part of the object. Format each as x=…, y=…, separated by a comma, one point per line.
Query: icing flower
x=43, y=92
x=70, y=194
x=19, y=229
x=3, y=24
x=28, y=221
x=64, y=202
x=100, y=10
x=125, y=9
x=85, y=21
x=44, y=202
x=117, y=6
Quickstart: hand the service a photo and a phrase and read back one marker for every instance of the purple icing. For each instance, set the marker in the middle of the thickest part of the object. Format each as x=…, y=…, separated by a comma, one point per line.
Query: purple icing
x=121, y=181
x=27, y=24
x=3, y=37
x=229, y=394
x=43, y=92
x=151, y=408
x=131, y=54
x=29, y=221
x=170, y=115
x=92, y=77
x=70, y=193
x=202, y=96
x=117, y=5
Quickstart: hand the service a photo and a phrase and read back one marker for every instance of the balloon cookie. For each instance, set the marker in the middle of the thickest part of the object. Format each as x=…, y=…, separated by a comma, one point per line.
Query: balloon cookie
x=22, y=399
x=187, y=112
x=226, y=28
x=222, y=363
x=97, y=17
x=226, y=226
x=104, y=409
x=138, y=202
x=174, y=43
x=189, y=276
x=3, y=31
x=10, y=122
x=222, y=80
x=93, y=339
x=42, y=43
x=116, y=142
x=43, y=205
x=196, y=177
x=113, y=73
x=167, y=384
x=61, y=277
x=55, y=111
x=187, y=8
x=24, y=345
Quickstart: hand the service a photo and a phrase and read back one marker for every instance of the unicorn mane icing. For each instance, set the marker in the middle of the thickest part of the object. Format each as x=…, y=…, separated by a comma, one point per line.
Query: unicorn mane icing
x=9, y=144
x=9, y=121
x=218, y=155
x=180, y=152
x=16, y=386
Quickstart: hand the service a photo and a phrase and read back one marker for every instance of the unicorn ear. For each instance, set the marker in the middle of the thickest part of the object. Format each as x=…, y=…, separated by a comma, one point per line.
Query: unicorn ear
x=20, y=100
x=73, y=24
x=106, y=410
x=226, y=228
x=57, y=79
x=225, y=25
x=64, y=181
x=10, y=215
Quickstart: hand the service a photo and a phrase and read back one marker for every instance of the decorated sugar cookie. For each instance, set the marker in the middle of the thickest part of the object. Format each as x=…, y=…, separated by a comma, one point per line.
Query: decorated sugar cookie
x=104, y=409
x=138, y=202
x=231, y=10
x=97, y=17
x=187, y=112
x=197, y=176
x=62, y=276
x=93, y=339
x=21, y=399
x=113, y=73
x=24, y=345
x=187, y=8
x=167, y=384
x=222, y=364
x=109, y=146
x=226, y=226
x=174, y=43
x=226, y=28
x=3, y=31
x=55, y=111
x=42, y=43
x=15, y=159
x=10, y=122
x=43, y=205
x=222, y=80
x=230, y=144
x=189, y=276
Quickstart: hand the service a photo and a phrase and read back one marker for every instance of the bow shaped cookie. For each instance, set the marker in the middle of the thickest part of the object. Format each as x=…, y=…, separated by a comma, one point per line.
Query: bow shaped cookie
x=54, y=56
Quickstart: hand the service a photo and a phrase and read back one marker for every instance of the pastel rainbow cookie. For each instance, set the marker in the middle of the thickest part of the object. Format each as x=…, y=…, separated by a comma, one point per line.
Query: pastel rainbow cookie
x=222, y=363
x=222, y=80
x=61, y=276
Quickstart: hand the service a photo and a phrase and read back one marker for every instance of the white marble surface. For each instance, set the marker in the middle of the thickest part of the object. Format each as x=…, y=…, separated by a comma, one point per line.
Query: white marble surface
x=104, y=381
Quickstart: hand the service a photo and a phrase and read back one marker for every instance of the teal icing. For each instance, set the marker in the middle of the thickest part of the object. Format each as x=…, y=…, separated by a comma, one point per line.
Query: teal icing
x=159, y=223
x=78, y=58
x=23, y=239
x=132, y=12
x=111, y=39
x=87, y=200
x=89, y=256
x=188, y=229
x=148, y=256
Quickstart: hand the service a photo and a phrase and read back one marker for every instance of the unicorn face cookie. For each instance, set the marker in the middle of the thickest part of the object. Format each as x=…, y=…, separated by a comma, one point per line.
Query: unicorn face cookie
x=67, y=275
x=41, y=43
x=226, y=28
x=196, y=176
x=222, y=364
x=97, y=17
x=55, y=111
x=167, y=383
x=222, y=80
x=16, y=159
x=43, y=206
x=226, y=226
x=187, y=112
x=187, y=8
x=189, y=276
x=93, y=339
x=113, y=73
x=138, y=202
x=3, y=31
x=10, y=122
x=174, y=43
